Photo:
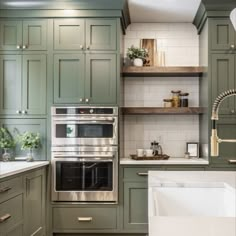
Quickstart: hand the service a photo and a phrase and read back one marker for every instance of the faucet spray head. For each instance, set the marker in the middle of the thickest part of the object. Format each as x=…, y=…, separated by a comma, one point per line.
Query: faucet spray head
x=214, y=143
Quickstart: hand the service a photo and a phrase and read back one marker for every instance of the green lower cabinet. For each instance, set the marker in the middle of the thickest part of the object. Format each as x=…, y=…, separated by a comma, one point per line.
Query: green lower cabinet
x=16, y=231
x=19, y=126
x=34, y=203
x=84, y=219
x=135, y=206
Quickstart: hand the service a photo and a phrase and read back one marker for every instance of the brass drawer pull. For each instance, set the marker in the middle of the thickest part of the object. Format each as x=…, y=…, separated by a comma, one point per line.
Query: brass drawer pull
x=3, y=190
x=142, y=174
x=85, y=219
x=4, y=218
x=232, y=161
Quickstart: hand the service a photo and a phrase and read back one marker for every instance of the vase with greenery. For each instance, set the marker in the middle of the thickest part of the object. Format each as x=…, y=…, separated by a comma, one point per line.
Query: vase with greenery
x=30, y=141
x=6, y=142
x=137, y=55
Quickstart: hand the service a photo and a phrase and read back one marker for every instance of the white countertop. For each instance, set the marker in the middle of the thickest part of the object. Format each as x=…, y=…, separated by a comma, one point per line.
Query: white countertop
x=170, y=161
x=16, y=167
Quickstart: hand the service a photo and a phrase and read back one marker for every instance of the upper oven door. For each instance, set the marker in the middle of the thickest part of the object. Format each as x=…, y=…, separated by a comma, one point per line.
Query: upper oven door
x=94, y=131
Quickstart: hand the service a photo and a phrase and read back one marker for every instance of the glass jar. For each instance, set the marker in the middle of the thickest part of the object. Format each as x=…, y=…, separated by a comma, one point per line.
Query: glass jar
x=168, y=102
x=183, y=99
x=6, y=156
x=175, y=98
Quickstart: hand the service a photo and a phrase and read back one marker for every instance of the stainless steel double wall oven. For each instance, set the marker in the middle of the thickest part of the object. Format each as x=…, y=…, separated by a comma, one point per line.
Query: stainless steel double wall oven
x=85, y=154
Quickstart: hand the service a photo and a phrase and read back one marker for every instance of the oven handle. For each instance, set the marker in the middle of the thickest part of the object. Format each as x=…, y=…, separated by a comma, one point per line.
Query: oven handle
x=76, y=159
x=73, y=155
x=87, y=119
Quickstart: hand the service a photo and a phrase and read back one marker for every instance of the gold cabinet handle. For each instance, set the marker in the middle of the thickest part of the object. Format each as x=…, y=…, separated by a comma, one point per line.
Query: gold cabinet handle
x=81, y=47
x=86, y=100
x=88, y=47
x=3, y=190
x=232, y=46
x=18, y=112
x=24, y=46
x=232, y=161
x=81, y=99
x=85, y=219
x=142, y=174
x=18, y=47
x=4, y=218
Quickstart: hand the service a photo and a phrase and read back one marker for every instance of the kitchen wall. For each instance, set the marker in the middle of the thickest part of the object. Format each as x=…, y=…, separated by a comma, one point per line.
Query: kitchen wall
x=179, y=42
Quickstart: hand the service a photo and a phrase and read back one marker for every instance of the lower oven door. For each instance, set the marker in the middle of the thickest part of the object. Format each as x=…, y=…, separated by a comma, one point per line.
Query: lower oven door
x=85, y=179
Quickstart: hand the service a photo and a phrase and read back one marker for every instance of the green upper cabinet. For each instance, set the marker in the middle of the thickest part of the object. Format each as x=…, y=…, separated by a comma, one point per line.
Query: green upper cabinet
x=93, y=82
x=69, y=34
x=23, y=35
x=223, y=36
x=23, y=85
x=100, y=82
x=69, y=78
x=223, y=78
x=85, y=34
x=101, y=34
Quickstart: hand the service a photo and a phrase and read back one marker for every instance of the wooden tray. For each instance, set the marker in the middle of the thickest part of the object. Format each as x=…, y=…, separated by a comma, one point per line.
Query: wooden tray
x=158, y=157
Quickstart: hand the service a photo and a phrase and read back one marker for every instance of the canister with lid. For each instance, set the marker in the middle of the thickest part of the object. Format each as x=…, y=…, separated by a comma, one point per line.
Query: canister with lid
x=175, y=97
x=183, y=99
x=167, y=102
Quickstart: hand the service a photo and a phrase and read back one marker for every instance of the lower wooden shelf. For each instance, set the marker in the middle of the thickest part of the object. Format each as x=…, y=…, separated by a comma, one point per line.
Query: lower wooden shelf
x=162, y=110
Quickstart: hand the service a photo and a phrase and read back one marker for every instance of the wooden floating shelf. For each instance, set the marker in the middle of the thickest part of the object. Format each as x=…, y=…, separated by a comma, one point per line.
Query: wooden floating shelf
x=162, y=71
x=162, y=110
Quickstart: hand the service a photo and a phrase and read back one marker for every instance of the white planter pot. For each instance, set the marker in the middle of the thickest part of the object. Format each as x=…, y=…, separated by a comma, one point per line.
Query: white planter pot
x=138, y=62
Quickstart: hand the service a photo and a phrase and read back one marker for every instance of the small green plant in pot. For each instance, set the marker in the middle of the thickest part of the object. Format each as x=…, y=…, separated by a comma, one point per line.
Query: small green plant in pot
x=137, y=55
x=29, y=141
x=6, y=142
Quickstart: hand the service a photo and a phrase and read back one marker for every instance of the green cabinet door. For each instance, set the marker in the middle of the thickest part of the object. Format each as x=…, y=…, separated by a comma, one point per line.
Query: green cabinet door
x=69, y=78
x=10, y=35
x=223, y=78
x=100, y=83
x=34, y=203
x=34, y=84
x=10, y=84
x=34, y=35
x=135, y=206
x=222, y=34
x=69, y=34
x=16, y=126
x=16, y=231
x=101, y=34
x=23, y=35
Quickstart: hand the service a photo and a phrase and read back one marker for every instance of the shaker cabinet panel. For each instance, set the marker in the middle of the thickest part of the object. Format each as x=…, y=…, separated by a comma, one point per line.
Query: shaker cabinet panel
x=223, y=78
x=101, y=34
x=68, y=78
x=34, y=203
x=101, y=78
x=135, y=206
x=222, y=34
x=23, y=35
x=35, y=34
x=34, y=84
x=10, y=84
x=10, y=34
x=69, y=34
x=16, y=126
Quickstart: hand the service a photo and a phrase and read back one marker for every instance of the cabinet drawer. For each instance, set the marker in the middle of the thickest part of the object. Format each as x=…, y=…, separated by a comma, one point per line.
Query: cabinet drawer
x=11, y=213
x=83, y=218
x=139, y=173
x=10, y=188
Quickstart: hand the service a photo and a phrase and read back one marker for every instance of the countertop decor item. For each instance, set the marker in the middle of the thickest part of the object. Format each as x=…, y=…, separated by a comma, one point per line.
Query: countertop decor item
x=192, y=149
x=6, y=142
x=183, y=99
x=157, y=157
x=30, y=141
x=138, y=55
x=175, y=97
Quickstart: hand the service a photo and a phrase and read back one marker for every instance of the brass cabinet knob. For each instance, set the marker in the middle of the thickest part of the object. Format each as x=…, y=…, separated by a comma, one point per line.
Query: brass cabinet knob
x=232, y=46
x=88, y=47
x=86, y=100
x=18, y=46
x=232, y=111
x=81, y=99
x=18, y=112
x=24, y=46
x=81, y=47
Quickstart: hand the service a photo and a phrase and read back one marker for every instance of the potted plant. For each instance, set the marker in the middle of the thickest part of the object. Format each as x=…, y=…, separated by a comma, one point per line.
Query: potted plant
x=29, y=141
x=6, y=142
x=138, y=55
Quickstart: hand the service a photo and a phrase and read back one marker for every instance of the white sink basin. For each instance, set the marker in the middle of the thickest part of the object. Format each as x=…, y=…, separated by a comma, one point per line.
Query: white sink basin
x=192, y=203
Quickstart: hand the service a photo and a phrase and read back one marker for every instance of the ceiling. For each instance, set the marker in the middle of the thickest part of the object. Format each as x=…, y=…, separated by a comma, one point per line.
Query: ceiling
x=163, y=10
